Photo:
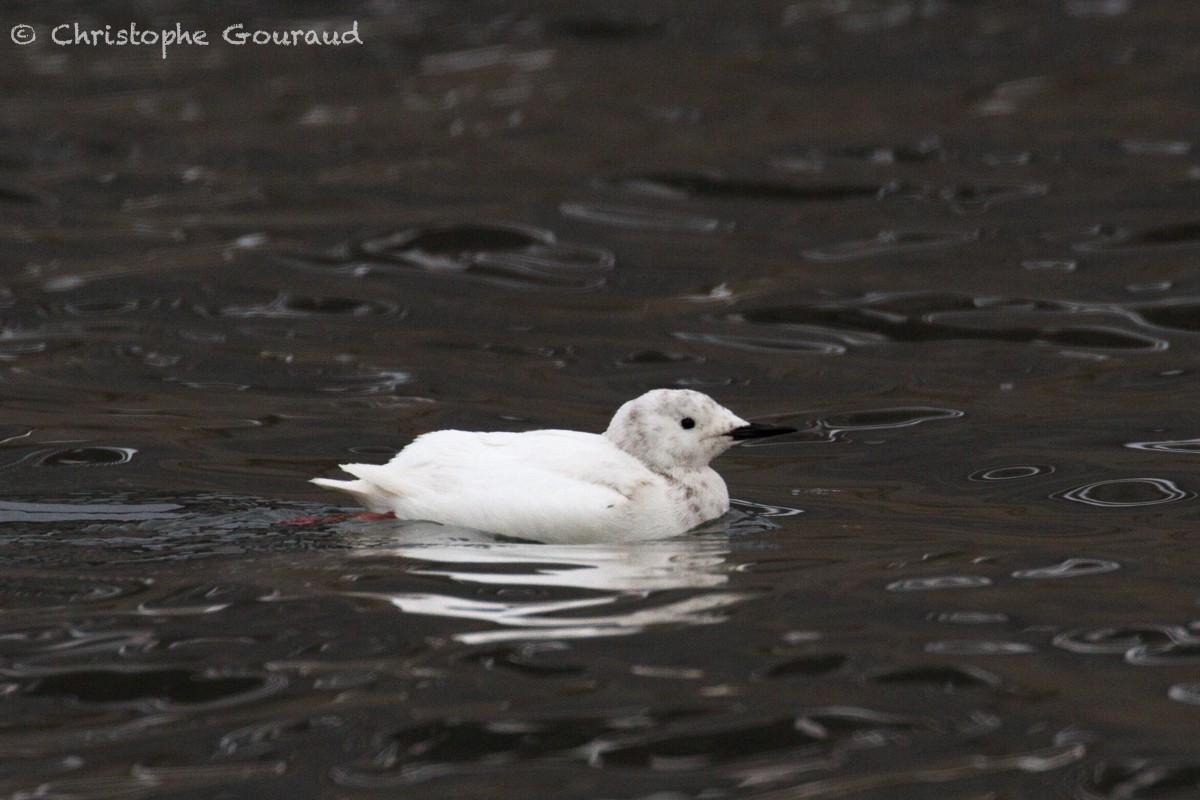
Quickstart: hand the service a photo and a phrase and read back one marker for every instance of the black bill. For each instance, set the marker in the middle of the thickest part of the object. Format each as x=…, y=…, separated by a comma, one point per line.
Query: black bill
x=757, y=430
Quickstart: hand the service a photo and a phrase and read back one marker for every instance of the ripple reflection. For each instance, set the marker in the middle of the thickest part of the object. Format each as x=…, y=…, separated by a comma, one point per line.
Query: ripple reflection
x=1072, y=567
x=920, y=317
x=603, y=576
x=1168, y=446
x=640, y=218
x=88, y=457
x=939, y=582
x=1011, y=472
x=889, y=242
x=1178, y=235
x=971, y=647
x=886, y=418
x=509, y=256
x=1185, y=693
x=1140, y=777
x=1127, y=493
x=1119, y=640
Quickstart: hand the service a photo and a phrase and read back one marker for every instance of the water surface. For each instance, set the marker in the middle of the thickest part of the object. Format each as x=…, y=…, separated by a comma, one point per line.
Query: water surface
x=954, y=244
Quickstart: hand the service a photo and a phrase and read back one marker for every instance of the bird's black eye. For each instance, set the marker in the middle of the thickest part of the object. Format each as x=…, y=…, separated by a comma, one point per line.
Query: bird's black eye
x=687, y=423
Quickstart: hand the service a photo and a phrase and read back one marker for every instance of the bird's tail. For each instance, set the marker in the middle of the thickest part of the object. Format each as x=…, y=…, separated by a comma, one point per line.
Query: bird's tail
x=379, y=488
x=360, y=490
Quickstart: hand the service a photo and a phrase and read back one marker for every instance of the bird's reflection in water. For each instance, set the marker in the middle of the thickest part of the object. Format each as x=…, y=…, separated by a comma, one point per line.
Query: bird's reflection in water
x=619, y=588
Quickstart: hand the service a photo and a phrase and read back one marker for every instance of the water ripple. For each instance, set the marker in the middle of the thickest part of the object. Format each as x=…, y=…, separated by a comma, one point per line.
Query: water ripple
x=640, y=218
x=973, y=198
x=365, y=383
x=920, y=317
x=1163, y=237
x=971, y=617
x=715, y=185
x=168, y=688
x=1191, y=446
x=1185, y=693
x=820, y=664
x=948, y=676
x=617, y=573
x=424, y=750
x=886, y=418
x=927, y=150
x=697, y=743
x=766, y=511
x=1050, y=264
x=939, y=582
x=889, y=242
x=11, y=511
x=13, y=194
x=1119, y=640
x=972, y=647
x=286, y=305
x=88, y=457
x=1010, y=472
x=510, y=256
x=81, y=308
x=31, y=591
x=1071, y=568
x=1177, y=652
x=891, y=782
x=657, y=357
x=1181, y=314
x=142, y=780
x=527, y=621
x=1140, y=778
x=208, y=598
x=766, y=344
x=1127, y=493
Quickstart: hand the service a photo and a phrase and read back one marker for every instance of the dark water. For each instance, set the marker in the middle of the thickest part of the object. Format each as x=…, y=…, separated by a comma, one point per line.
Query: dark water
x=955, y=243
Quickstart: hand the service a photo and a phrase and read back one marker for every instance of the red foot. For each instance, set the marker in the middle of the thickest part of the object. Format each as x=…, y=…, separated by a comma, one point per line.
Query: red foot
x=366, y=516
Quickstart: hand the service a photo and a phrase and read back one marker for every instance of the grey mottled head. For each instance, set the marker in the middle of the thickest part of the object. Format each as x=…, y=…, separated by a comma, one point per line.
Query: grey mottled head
x=670, y=430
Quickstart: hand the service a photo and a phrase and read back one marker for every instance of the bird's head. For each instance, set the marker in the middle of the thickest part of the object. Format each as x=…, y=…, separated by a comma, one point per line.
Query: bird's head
x=670, y=430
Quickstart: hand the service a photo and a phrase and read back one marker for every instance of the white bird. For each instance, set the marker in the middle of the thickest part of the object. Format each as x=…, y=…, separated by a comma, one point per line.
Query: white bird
x=645, y=477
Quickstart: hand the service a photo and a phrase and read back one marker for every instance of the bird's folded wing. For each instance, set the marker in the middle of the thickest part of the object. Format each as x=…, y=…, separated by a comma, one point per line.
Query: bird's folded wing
x=586, y=457
x=519, y=501
x=532, y=484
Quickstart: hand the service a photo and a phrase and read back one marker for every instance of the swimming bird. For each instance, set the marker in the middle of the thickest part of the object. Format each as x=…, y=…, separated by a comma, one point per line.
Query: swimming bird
x=646, y=477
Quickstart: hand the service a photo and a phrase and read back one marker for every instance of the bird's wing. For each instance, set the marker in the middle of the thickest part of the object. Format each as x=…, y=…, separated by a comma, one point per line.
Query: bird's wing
x=585, y=457
x=536, y=484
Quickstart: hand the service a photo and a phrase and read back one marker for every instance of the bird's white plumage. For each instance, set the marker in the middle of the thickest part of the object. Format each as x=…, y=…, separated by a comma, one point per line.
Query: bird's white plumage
x=645, y=477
